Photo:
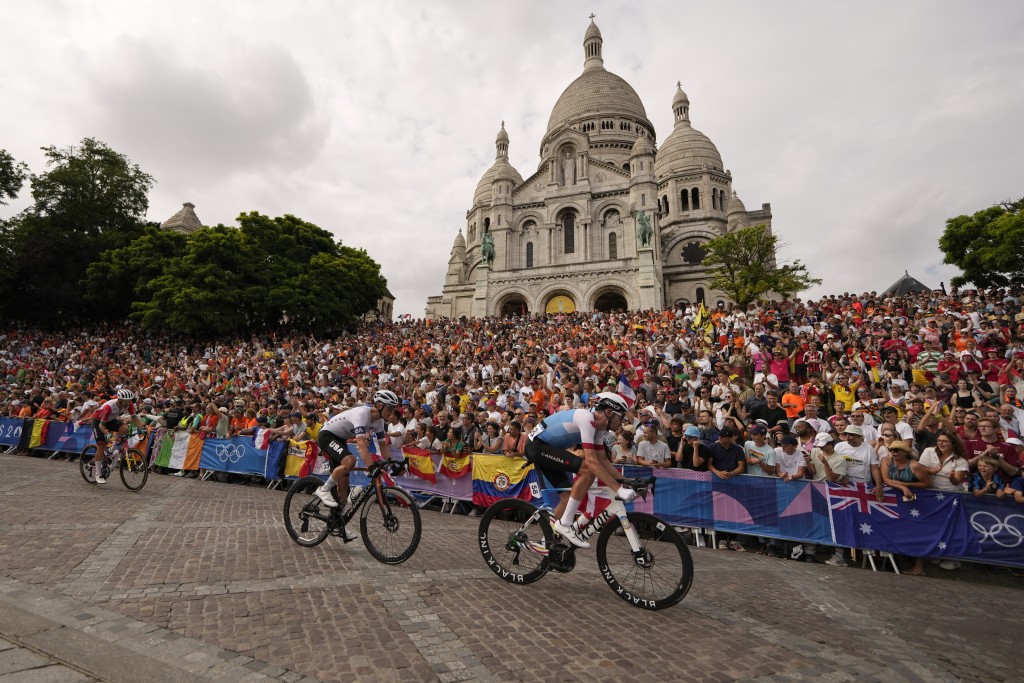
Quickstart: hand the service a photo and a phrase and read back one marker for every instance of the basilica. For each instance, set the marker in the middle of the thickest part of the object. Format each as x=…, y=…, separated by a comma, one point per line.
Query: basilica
x=608, y=220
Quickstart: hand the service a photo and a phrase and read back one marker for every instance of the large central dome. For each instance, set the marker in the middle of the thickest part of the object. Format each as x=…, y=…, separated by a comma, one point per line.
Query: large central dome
x=597, y=93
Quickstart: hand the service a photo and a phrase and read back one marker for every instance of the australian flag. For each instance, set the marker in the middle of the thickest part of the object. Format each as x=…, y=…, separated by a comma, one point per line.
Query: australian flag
x=933, y=524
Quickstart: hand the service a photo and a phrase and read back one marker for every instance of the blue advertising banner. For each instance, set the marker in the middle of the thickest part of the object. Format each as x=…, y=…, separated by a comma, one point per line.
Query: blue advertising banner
x=10, y=430
x=998, y=529
x=65, y=437
x=237, y=455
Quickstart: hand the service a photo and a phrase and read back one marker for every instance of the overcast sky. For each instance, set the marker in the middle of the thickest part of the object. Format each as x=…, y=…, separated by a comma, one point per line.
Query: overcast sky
x=865, y=125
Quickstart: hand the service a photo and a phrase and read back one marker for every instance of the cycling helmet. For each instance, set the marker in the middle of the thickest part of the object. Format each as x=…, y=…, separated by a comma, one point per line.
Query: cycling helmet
x=126, y=394
x=608, y=399
x=388, y=398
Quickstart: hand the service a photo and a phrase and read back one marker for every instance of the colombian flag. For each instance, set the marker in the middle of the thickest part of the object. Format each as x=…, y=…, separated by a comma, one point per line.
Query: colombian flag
x=453, y=466
x=420, y=463
x=498, y=476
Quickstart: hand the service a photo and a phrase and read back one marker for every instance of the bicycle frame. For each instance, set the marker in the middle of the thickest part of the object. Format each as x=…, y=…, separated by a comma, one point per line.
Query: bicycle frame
x=615, y=509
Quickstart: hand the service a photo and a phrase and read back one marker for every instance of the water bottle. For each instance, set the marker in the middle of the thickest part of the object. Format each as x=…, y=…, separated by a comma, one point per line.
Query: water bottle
x=353, y=494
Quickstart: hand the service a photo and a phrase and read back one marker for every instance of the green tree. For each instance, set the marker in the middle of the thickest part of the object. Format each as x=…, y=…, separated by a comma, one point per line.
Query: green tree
x=12, y=177
x=90, y=200
x=118, y=277
x=743, y=264
x=266, y=272
x=987, y=246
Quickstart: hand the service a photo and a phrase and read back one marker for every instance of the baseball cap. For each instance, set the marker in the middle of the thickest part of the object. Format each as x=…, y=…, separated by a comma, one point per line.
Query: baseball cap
x=789, y=440
x=727, y=431
x=691, y=430
x=757, y=429
x=823, y=439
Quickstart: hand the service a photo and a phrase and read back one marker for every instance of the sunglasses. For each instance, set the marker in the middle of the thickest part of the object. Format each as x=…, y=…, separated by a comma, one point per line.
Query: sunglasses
x=888, y=434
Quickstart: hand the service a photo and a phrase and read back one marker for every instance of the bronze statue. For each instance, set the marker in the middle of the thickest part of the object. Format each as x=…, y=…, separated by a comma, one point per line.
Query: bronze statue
x=643, y=228
x=487, y=248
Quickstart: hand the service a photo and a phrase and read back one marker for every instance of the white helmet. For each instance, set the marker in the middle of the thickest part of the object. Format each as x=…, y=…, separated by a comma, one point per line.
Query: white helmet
x=126, y=394
x=608, y=399
x=388, y=398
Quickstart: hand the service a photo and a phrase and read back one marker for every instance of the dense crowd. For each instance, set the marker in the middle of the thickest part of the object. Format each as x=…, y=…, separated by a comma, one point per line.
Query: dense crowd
x=913, y=391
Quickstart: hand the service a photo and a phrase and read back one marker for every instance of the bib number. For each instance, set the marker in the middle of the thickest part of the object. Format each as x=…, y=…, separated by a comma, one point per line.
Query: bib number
x=535, y=432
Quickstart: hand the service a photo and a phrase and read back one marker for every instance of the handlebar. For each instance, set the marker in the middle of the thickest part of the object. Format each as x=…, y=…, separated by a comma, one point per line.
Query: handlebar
x=642, y=485
x=396, y=467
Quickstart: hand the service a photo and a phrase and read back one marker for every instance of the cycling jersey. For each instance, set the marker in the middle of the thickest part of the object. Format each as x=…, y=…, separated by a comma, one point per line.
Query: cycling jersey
x=354, y=422
x=112, y=411
x=569, y=428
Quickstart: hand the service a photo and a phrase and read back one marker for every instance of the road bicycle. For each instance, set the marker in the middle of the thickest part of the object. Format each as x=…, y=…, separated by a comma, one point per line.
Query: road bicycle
x=389, y=520
x=131, y=463
x=642, y=558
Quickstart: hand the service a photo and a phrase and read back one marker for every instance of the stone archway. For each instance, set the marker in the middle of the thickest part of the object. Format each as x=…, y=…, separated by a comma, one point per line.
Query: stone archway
x=513, y=305
x=560, y=302
x=610, y=299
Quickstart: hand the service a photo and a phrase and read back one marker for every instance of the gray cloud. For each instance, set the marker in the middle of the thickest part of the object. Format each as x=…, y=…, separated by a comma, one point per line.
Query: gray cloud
x=865, y=125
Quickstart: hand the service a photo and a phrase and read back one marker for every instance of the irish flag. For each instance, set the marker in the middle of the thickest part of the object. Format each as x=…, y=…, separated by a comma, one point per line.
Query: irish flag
x=180, y=451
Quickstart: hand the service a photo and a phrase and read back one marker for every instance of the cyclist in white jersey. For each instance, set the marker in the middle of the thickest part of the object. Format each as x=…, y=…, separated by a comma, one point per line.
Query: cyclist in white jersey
x=107, y=420
x=548, y=446
x=359, y=423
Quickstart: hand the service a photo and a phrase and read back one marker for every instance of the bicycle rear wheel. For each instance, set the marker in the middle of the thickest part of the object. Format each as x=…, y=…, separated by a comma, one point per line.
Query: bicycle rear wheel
x=390, y=525
x=514, y=538
x=85, y=464
x=134, y=471
x=306, y=518
x=656, y=578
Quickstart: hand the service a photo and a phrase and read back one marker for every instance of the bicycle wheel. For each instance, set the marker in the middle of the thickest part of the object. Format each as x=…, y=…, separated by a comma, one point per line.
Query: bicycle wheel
x=85, y=464
x=390, y=525
x=134, y=471
x=306, y=518
x=514, y=538
x=662, y=573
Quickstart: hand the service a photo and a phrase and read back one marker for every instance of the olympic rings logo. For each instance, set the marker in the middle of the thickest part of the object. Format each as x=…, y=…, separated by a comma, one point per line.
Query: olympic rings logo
x=229, y=452
x=1000, y=531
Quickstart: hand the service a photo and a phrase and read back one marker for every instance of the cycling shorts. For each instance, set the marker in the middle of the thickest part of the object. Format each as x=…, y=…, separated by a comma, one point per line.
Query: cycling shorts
x=553, y=462
x=112, y=426
x=332, y=446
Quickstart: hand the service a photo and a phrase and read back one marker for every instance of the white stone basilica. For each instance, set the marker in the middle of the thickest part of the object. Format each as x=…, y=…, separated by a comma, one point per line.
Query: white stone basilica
x=566, y=238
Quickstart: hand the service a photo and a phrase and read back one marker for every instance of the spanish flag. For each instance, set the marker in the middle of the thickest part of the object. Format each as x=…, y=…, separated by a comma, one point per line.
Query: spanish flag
x=453, y=466
x=419, y=463
x=498, y=476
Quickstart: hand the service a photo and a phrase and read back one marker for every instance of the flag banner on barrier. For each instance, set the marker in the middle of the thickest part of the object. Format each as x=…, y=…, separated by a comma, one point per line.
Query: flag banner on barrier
x=303, y=458
x=420, y=463
x=759, y=506
x=933, y=524
x=237, y=456
x=163, y=455
x=10, y=430
x=453, y=466
x=39, y=430
x=499, y=476
x=68, y=437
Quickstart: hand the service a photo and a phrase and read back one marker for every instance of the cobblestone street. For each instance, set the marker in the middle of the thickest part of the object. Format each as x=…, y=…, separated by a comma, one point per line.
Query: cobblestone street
x=192, y=580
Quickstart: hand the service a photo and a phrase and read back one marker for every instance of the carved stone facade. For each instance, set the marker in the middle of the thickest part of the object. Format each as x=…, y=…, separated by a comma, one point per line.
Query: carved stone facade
x=566, y=237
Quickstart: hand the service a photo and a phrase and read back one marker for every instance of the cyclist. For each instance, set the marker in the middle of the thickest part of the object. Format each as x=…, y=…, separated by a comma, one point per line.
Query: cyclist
x=546, y=450
x=359, y=423
x=107, y=420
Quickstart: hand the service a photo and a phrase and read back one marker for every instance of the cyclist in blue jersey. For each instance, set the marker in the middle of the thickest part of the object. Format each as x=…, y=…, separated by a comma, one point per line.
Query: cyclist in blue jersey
x=547, y=449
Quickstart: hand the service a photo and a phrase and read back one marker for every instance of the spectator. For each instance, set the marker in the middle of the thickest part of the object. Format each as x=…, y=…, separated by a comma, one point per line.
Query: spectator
x=651, y=451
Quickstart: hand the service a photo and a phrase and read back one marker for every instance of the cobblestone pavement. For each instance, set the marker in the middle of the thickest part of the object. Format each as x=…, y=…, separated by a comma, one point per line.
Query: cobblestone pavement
x=191, y=581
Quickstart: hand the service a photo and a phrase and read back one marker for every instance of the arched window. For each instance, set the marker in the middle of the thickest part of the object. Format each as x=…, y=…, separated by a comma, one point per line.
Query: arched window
x=714, y=198
x=643, y=200
x=700, y=295
x=487, y=224
x=529, y=225
x=695, y=198
x=569, y=229
x=684, y=201
x=613, y=246
x=529, y=254
x=664, y=204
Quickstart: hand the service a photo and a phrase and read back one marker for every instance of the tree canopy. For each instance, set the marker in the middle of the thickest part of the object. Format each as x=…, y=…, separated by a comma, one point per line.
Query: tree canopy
x=12, y=177
x=743, y=264
x=987, y=246
x=84, y=251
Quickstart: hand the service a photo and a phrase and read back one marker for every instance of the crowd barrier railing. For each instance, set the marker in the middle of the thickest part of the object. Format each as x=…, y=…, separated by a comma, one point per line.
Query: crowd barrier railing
x=934, y=524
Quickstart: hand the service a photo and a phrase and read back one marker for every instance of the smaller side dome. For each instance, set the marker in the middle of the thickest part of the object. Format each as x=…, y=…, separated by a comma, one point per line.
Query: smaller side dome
x=736, y=204
x=642, y=147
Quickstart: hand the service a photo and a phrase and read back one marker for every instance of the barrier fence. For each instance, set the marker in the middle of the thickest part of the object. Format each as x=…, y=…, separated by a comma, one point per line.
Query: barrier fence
x=936, y=524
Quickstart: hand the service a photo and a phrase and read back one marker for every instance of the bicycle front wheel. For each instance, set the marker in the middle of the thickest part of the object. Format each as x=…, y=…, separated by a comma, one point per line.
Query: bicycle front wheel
x=390, y=525
x=134, y=471
x=305, y=517
x=514, y=538
x=655, y=578
x=85, y=464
